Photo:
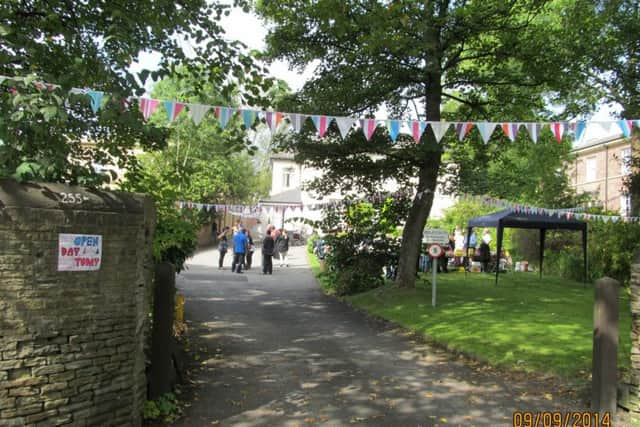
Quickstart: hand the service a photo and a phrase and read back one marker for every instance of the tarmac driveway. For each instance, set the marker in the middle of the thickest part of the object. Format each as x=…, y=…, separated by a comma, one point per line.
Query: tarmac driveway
x=274, y=351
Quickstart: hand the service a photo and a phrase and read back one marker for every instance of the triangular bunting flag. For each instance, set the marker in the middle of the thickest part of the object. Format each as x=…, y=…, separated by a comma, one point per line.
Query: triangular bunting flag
x=96, y=99
x=534, y=130
x=626, y=126
x=173, y=109
x=462, y=129
x=297, y=121
x=439, y=129
x=224, y=114
x=606, y=126
x=557, y=129
x=344, y=125
x=248, y=117
x=197, y=112
x=579, y=128
x=148, y=106
x=322, y=123
x=368, y=127
x=417, y=128
x=486, y=129
x=394, y=129
x=270, y=118
x=511, y=130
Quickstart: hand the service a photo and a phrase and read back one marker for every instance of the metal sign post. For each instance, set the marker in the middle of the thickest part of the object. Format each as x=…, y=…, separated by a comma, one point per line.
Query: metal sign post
x=435, y=251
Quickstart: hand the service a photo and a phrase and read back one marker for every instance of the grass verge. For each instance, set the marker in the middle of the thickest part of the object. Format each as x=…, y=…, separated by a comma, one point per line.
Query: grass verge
x=525, y=323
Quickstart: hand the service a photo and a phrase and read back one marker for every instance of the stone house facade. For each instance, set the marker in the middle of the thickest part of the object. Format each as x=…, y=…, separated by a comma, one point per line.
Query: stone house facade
x=599, y=168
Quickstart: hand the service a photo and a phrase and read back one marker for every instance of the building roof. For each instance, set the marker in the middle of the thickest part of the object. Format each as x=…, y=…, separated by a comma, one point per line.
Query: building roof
x=289, y=197
x=593, y=142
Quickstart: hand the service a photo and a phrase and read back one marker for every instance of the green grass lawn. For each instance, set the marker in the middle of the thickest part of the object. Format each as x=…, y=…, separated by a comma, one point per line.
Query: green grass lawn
x=526, y=323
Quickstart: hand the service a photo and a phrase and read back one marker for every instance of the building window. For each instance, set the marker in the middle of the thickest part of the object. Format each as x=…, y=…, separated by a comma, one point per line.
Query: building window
x=591, y=171
x=625, y=161
x=625, y=205
x=287, y=178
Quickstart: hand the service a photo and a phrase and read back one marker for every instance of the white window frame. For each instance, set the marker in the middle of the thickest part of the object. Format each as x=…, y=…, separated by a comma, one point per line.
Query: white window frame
x=287, y=177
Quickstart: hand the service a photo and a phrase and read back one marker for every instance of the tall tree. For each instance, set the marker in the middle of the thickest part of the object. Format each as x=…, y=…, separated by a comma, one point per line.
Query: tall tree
x=92, y=44
x=201, y=163
x=413, y=55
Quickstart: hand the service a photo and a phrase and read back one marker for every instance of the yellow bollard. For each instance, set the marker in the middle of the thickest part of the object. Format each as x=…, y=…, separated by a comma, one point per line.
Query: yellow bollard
x=179, y=311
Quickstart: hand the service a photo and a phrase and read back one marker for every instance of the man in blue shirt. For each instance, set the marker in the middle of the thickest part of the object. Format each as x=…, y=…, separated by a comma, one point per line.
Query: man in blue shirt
x=240, y=243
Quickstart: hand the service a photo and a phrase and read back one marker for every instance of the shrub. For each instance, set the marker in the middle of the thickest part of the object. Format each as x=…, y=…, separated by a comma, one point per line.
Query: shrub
x=361, y=239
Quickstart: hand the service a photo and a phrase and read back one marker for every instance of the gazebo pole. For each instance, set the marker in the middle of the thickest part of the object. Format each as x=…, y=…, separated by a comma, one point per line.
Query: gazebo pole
x=469, y=260
x=500, y=232
x=543, y=233
x=584, y=252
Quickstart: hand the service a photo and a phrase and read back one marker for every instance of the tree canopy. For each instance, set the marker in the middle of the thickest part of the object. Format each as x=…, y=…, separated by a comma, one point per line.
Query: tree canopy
x=93, y=44
x=492, y=58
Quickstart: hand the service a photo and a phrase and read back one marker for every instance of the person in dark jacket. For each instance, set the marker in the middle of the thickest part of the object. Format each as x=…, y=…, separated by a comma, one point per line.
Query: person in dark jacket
x=282, y=247
x=267, y=252
x=249, y=254
x=223, y=245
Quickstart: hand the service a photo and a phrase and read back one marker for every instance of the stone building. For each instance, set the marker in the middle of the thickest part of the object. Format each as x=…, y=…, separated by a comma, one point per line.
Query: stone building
x=599, y=168
x=287, y=181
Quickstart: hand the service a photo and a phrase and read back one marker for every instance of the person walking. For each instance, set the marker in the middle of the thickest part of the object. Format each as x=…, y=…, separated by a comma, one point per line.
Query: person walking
x=250, y=248
x=282, y=246
x=223, y=245
x=240, y=243
x=267, y=252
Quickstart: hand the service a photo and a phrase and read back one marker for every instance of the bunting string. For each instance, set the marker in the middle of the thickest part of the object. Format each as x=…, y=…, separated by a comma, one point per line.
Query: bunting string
x=568, y=213
x=415, y=128
x=255, y=211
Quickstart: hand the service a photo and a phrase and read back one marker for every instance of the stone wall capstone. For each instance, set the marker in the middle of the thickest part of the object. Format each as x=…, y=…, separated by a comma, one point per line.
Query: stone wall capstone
x=72, y=342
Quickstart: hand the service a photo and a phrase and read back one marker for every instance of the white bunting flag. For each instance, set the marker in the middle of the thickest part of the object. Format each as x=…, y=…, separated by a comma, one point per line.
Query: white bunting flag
x=197, y=112
x=344, y=125
x=439, y=129
x=486, y=130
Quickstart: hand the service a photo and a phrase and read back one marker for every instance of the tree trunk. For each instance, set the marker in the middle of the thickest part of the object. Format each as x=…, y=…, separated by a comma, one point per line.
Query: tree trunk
x=412, y=233
x=427, y=181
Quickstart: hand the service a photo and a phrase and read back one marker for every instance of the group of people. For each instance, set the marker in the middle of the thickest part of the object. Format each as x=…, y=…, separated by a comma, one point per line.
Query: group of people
x=275, y=244
x=462, y=250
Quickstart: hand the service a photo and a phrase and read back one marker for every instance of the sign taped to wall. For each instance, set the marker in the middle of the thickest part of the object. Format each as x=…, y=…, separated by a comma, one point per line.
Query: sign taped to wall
x=79, y=252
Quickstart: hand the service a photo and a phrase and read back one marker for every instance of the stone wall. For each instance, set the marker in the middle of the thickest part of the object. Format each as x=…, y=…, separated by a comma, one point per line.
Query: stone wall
x=72, y=342
x=632, y=396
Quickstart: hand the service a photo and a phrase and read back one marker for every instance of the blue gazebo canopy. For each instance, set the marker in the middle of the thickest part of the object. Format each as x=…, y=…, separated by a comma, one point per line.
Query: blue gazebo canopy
x=510, y=218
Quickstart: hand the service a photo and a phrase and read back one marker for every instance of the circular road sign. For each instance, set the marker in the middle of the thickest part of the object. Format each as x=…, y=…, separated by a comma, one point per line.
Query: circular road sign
x=435, y=251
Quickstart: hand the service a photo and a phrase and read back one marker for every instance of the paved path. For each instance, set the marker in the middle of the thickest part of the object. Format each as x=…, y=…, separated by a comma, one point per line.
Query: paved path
x=274, y=351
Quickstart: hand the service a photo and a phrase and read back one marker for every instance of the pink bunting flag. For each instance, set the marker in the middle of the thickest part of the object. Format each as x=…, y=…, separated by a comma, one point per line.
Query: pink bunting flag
x=368, y=127
x=557, y=129
x=322, y=124
x=417, y=128
x=173, y=109
x=148, y=106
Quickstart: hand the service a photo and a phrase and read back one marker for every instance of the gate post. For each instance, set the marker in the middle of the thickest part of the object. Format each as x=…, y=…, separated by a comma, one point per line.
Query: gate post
x=162, y=330
x=605, y=346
